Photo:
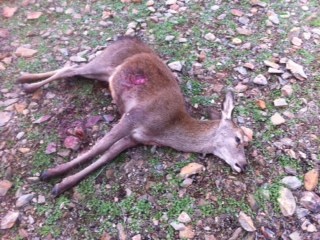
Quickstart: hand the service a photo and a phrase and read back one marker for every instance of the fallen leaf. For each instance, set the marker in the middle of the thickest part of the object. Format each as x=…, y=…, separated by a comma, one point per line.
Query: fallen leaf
x=33, y=15
x=8, y=12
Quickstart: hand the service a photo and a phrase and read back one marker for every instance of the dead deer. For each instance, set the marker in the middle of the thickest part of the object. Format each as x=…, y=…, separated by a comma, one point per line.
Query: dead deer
x=153, y=111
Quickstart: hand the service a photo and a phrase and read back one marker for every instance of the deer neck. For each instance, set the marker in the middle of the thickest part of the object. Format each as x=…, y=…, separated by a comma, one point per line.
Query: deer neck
x=192, y=135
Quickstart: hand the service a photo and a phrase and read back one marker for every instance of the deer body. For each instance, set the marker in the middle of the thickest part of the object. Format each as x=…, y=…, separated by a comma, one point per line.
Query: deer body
x=153, y=111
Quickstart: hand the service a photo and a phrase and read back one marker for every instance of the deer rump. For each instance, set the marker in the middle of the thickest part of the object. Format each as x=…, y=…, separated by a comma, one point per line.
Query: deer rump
x=153, y=111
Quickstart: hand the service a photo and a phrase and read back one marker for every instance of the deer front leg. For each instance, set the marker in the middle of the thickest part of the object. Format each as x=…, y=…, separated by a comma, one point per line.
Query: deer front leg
x=119, y=131
x=110, y=154
x=34, y=77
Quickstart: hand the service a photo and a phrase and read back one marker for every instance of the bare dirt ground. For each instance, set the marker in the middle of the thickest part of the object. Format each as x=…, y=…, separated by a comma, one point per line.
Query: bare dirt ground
x=266, y=51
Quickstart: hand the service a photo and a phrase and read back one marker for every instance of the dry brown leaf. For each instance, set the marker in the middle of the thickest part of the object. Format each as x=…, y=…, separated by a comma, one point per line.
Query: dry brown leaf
x=34, y=15
x=8, y=12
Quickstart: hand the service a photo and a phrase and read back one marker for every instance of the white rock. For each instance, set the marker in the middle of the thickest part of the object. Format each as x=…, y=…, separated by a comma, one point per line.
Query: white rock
x=246, y=222
x=184, y=218
x=178, y=226
x=287, y=202
x=296, y=70
x=191, y=169
x=273, y=18
x=275, y=71
x=295, y=236
x=5, y=118
x=280, y=102
x=171, y=2
x=169, y=38
x=271, y=64
x=296, y=41
x=24, y=200
x=260, y=79
x=176, y=66
x=130, y=32
x=292, y=182
x=277, y=119
x=287, y=90
x=9, y=220
x=210, y=37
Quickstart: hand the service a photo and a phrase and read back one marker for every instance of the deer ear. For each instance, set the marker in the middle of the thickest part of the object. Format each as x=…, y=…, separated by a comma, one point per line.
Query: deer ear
x=227, y=106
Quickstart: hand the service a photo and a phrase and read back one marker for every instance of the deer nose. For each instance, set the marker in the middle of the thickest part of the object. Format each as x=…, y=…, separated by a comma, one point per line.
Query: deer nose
x=243, y=166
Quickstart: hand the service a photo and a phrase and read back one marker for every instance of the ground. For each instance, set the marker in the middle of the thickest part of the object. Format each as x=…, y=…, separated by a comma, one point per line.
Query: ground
x=220, y=44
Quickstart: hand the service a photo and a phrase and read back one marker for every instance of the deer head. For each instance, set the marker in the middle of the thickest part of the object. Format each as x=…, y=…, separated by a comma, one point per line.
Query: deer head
x=229, y=140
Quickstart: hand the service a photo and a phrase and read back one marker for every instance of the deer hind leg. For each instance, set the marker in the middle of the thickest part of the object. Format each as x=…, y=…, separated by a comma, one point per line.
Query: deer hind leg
x=109, y=155
x=122, y=129
x=86, y=71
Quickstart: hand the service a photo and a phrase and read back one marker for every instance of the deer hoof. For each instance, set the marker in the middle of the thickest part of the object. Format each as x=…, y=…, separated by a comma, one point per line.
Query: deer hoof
x=29, y=88
x=56, y=191
x=44, y=176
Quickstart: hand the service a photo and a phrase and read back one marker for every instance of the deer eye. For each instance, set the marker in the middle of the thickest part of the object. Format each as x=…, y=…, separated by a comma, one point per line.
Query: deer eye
x=238, y=140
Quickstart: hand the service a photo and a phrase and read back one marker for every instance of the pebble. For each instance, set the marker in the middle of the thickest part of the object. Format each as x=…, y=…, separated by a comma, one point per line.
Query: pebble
x=9, y=220
x=137, y=237
x=244, y=31
x=72, y=142
x=186, y=182
x=5, y=185
x=24, y=200
x=296, y=70
x=273, y=17
x=308, y=226
x=169, y=38
x=25, y=52
x=236, y=41
x=246, y=222
x=302, y=212
x=287, y=90
x=271, y=64
x=210, y=37
x=236, y=12
x=275, y=71
x=295, y=236
x=280, y=102
x=277, y=119
x=292, y=182
x=187, y=233
x=191, y=169
x=310, y=201
x=171, y=2
x=240, y=88
x=311, y=179
x=260, y=80
x=177, y=226
x=5, y=117
x=249, y=65
x=175, y=66
x=287, y=202
x=184, y=218
x=296, y=41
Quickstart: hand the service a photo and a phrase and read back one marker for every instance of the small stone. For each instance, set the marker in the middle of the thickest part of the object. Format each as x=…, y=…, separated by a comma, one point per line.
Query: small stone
x=236, y=234
x=252, y=202
x=5, y=118
x=302, y=212
x=287, y=90
x=277, y=119
x=184, y=218
x=311, y=179
x=311, y=201
x=249, y=65
x=210, y=237
x=130, y=32
x=275, y=71
x=261, y=104
x=236, y=41
x=273, y=17
x=296, y=70
x=171, y=2
x=24, y=200
x=177, y=226
x=9, y=220
x=176, y=66
x=240, y=88
x=248, y=133
x=244, y=20
x=41, y=199
x=137, y=237
x=258, y=3
x=77, y=59
x=169, y=38
x=296, y=41
x=8, y=12
x=280, y=102
x=244, y=31
x=260, y=80
x=187, y=233
x=292, y=182
x=24, y=150
x=191, y=169
x=295, y=236
x=186, y=182
x=306, y=35
x=287, y=202
x=271, y=64
x=33, y=15
x=210, y=37
x=236, y=12
x=246, y=222
x=25, y=52
x=241, y=70
x=5, y=185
